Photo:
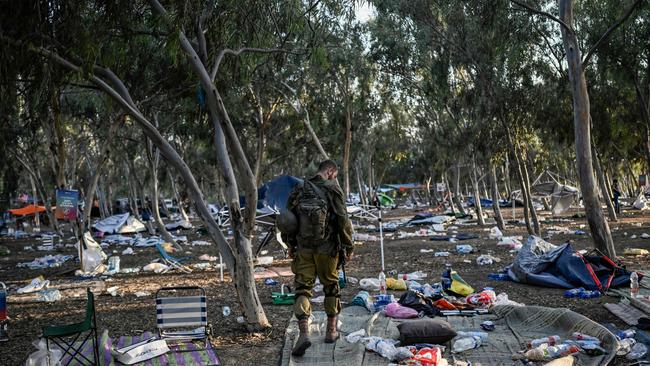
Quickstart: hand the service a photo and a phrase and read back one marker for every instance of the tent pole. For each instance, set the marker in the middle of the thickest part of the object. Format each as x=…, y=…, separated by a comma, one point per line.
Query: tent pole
x=381, y=239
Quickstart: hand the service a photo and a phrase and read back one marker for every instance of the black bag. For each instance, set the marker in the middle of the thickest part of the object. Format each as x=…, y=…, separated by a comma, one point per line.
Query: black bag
x=418, y=302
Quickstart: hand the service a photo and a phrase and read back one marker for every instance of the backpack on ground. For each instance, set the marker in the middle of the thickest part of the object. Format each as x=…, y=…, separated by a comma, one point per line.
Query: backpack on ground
x=312, y=210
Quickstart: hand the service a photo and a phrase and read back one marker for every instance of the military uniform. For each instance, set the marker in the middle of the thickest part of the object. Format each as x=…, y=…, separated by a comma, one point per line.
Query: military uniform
x=321, y=259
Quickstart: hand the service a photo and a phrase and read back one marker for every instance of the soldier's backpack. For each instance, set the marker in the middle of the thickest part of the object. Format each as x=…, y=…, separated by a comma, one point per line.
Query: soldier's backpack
x=313, y=213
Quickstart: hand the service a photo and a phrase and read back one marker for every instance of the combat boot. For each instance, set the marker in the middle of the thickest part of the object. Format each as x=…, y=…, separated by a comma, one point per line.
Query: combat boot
x=331, y=335
x=303, y=339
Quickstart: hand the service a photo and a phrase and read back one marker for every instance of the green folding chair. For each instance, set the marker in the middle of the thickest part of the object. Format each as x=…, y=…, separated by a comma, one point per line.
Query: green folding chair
x=71, y=340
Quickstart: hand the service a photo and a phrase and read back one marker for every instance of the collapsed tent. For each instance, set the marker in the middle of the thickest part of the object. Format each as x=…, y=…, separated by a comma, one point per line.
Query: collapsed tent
x=547, y=185
x=120, y=224
x=541, y=263
x=487, y=203
x=275, y=193
x=385, y=200
x=641, y=202
x=428, y=219
x=27, y=210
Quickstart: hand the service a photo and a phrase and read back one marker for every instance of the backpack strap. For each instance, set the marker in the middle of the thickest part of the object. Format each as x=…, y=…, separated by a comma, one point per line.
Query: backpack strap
x=319, y=192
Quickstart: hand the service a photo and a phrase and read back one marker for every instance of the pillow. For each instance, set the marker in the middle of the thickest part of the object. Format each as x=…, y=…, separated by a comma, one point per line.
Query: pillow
x=425, y=330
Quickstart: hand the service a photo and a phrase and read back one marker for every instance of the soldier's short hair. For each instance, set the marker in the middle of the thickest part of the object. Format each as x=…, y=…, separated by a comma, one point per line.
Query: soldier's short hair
x=327, y=164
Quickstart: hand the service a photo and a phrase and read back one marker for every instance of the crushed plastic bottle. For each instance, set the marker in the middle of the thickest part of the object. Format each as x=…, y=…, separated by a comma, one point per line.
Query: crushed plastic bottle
x=625, y=346
x=466, y=343
x=634, y=285
x=562, y=350
x=589, y=294
x=226, y=311
x=584, y=337
x=552, y=340
x=638, y=351
x=113, y=265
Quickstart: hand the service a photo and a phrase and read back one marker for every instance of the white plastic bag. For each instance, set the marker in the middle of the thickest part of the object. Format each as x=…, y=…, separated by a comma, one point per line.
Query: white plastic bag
x=92, y=257
x=495, y=233
x=43, y=357
x=369, y=284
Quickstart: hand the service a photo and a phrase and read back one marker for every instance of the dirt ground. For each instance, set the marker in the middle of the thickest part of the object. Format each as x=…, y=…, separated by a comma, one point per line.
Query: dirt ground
x=131, y=315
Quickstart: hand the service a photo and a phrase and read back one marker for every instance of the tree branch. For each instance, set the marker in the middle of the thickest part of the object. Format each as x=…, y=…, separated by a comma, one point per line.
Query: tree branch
x=607, y=33
x=545, y=14
x=222, y=53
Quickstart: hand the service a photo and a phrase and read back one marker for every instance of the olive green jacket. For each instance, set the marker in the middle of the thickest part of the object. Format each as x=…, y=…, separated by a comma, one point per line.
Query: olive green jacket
x=342, y=230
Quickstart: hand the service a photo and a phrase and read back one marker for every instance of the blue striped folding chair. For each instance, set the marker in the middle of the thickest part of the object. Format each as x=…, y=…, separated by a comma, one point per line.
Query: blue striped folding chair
x=182, y=315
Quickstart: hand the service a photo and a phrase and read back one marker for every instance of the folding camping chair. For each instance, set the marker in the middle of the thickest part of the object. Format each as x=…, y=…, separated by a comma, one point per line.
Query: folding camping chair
x=182, y=317
x=172, y=261
x=49, y=241
x=71, y=340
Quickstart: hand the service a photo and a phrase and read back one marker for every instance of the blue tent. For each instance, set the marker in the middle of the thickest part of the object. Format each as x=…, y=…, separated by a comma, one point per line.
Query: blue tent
x=275, y=193
x=543, y=264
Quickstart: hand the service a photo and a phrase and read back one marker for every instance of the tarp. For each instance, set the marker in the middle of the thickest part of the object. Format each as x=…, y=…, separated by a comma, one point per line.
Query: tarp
x=27, y=210
x=120, y=224
x=275, y=193
x=544, y=264
x=385, y=200
x=487, y=203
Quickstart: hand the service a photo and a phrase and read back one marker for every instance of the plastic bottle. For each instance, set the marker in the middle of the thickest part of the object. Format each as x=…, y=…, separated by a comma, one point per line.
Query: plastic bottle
x=628, y=333
x=446, y=277
x=382, y=283
x=573, y=292
x=552, y=340
x=625, y=346
x=466, y=343
x=638, y=351
x=413, y=276
x=634, y=285
x=562, y=350
x=113, y=265
x=226, y=311
x=583, y=337
x=482, y=335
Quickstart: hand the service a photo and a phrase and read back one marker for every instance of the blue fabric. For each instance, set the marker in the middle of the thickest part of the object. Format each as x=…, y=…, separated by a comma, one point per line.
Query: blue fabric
x=564, y=268
x=275, y=193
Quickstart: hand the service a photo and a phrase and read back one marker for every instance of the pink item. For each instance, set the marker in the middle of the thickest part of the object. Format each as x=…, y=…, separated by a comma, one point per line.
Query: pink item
x=397, y=311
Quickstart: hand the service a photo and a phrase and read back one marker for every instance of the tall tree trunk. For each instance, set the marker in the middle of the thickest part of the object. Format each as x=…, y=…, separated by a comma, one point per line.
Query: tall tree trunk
x=154, y=160
x=495, y=198
x=477, y=197
x=597, y=223
x=506, y=176
x=362, y=193
x=179, y=202
x=346, y=148
x=60, y=139
x=533, y=212
x=525, y=196
x=456, y=197
x=449, y=195
x=602, y=182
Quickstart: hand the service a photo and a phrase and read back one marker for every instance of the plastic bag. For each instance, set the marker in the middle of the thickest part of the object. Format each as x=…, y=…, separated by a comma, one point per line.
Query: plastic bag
x=393, y=284
x=397, y=311
x=502, y=299
x=484, y=298
x=386, y=348
x=418, y=302
x=495, y=233
x=92, y=257
x=369, y=284
x=43, y=357
x=36, y=284
x=355, y=337
x=459, y=286
x=156, y=267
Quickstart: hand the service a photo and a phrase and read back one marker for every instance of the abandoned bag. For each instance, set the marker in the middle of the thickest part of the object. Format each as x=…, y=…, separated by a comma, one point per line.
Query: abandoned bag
x=418, y=302
x=432, y=331
x=312, y=210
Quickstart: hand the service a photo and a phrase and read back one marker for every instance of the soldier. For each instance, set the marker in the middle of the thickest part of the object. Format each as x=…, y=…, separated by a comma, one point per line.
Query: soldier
x=321, y=242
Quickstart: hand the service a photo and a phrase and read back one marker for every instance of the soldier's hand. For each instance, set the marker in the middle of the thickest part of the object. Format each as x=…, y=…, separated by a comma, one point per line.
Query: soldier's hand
x=348, y=257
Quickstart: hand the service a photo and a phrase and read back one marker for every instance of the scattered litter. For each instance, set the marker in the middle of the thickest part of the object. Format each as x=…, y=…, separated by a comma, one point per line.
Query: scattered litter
x=318, y=299
x=47, y=261
x=486, y=259
x=502, y=299
x=112, y=290
x=49, y=295
x=512, y=242
x=442, y=254
x=369, y=284
x=356, y=336
x=465, y=344
x=265, y=260
x=495, y=233
x=364, y=237
x=130, y=270
x=241, y=320
x=427, y=250
x=464, y=249
x=127, y=251
x=386, y=348
x=113, y=265
x=635, y=251
x=156, y=267
x=645, y=236
x=438, y=227
x=44, y=356
x=36, y=284
x=633, y=237
x=207, y=257
x=200, y=243
x=270, y=282
x=142, y=293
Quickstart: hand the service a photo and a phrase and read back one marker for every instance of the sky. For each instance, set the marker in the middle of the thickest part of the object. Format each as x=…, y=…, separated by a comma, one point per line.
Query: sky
x=364, y=12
